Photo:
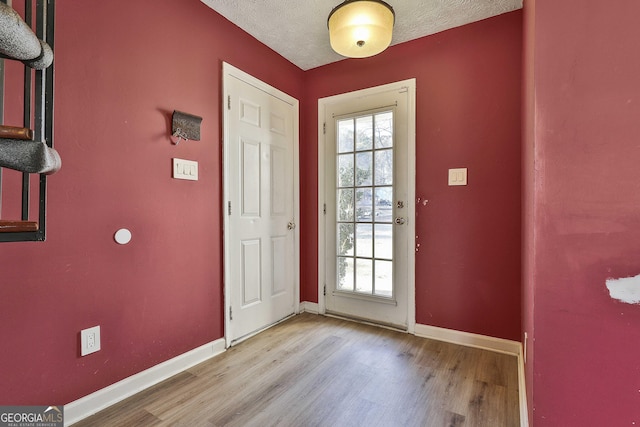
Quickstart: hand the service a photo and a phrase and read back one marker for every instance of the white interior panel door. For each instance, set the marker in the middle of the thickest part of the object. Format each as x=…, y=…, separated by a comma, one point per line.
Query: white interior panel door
x=260, y=234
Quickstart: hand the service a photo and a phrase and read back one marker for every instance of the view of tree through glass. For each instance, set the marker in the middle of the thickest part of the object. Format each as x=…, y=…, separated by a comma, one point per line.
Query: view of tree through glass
x=364, y=197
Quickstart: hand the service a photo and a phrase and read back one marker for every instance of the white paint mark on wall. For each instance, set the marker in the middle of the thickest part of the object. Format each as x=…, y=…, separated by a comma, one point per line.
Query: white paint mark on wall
x=626, y=289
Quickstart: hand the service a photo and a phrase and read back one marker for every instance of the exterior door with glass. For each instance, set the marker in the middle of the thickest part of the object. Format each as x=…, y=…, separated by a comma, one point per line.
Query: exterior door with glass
x=367, y=208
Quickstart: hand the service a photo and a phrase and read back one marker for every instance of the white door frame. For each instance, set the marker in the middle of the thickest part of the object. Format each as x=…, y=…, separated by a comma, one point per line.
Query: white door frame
x=229, y=71
x=323, y=104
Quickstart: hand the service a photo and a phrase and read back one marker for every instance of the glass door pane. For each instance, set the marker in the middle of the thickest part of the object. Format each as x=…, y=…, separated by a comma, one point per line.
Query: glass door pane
x=364, y=196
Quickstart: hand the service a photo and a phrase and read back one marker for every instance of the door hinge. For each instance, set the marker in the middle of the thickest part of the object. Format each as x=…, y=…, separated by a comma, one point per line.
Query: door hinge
x=324, y=291
x=230, y=313
x=324, y=208
x=228, y=208
x=228, y=102
x=324, y=128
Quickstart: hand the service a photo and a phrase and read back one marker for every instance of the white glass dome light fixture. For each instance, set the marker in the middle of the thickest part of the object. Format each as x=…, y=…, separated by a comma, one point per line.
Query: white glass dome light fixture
x=361, y=28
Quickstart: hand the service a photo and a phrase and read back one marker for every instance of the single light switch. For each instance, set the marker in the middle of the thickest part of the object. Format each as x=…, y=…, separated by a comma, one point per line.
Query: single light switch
x=458, y=176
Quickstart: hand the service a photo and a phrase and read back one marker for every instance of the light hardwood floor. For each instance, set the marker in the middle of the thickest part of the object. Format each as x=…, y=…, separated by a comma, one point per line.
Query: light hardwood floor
x=318, y=371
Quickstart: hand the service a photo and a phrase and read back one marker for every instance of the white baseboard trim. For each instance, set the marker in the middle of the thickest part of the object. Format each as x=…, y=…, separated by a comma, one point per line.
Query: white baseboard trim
x=484, y=342
x=101, y=399
x=522, y=389
x=468, y=339
x=309, y=307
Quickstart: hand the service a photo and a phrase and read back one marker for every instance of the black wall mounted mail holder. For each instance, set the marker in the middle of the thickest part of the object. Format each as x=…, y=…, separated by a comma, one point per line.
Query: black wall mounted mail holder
x=18, y=41
x=29, y=147
x=185, y=126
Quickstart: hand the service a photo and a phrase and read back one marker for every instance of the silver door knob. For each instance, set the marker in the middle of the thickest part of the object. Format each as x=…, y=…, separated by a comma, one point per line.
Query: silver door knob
x=291, y=225
x=400, y=220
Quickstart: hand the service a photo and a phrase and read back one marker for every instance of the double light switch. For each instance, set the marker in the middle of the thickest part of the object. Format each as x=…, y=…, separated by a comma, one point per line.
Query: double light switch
x=458, y=176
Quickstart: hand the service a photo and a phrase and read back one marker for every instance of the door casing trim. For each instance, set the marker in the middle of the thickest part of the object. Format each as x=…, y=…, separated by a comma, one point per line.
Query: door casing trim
x=323, y=104
x=229, y=71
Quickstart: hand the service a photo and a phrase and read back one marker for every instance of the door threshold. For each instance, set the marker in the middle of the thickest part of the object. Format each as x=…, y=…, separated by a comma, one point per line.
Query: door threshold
x=370, y=322
x=254, y=333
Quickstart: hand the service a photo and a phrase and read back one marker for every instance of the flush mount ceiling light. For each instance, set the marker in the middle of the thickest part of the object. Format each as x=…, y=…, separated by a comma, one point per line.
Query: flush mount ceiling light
x=361, y=28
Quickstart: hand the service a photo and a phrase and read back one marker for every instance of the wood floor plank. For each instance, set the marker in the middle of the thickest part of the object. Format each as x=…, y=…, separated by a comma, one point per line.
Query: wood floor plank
x=318, y=371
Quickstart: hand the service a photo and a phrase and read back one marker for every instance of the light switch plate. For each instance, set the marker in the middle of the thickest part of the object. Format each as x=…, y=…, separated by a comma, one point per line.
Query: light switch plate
x=185, y=169
x=458, y=176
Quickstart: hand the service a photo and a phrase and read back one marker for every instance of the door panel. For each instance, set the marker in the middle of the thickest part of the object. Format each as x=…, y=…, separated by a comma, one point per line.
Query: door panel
x=250, y=184
x=278, y=181
x=279, y=264
x=251, y=278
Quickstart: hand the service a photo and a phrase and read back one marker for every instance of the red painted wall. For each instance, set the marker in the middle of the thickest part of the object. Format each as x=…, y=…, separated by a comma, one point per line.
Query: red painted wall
x=468, y=115
x=586, y=222
x=528, y=193
x=121, y=68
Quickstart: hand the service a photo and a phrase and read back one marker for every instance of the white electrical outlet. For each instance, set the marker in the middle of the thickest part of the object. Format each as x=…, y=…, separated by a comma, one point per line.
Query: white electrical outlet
x=89, y=340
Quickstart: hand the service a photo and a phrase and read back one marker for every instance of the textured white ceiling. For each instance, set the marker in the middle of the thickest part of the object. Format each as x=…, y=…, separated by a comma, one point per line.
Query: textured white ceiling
x=297, y=29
